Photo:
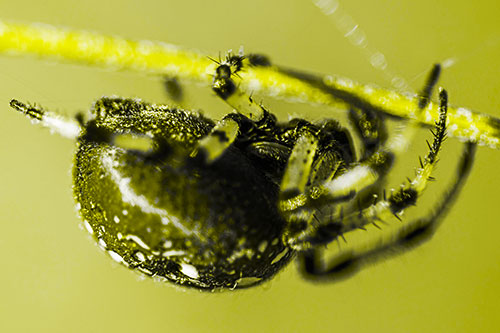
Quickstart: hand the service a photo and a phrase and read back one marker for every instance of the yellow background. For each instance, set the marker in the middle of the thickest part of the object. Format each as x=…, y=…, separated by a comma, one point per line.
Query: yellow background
x=53, y=278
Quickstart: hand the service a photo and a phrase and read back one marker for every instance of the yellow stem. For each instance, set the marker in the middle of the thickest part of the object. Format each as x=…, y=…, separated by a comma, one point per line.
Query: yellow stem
x=94, y=49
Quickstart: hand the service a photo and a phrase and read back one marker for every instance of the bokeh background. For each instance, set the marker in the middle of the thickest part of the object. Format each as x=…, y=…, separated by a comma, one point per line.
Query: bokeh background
x=53, y=278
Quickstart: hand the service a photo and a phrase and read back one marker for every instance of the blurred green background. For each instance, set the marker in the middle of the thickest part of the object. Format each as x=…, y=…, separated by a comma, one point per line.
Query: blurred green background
x=53, y=278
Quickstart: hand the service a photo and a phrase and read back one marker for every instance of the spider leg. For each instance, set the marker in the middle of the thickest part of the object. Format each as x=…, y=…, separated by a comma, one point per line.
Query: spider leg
x=401, y=199
x=225, y=87
x=69, y=128
x=226, y=130
x=304, y=233
x=218, y=140
x=406, y=196
x=367, y=174
x=174, y=89
x=298, y=170
x=374, y=166
x=127, y=123
x=315, y=158
x=370, y=127
x=350, y=257
x=293, y=195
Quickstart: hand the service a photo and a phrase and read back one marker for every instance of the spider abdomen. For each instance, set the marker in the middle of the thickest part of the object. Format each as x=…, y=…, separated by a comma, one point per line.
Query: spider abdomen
x=207, y=226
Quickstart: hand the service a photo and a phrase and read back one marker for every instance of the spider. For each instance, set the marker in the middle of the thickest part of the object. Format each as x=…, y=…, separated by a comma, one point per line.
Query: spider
x=228, y=204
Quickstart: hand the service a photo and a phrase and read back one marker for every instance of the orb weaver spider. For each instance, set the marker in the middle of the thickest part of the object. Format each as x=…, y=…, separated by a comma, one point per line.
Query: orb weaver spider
x=227, y=204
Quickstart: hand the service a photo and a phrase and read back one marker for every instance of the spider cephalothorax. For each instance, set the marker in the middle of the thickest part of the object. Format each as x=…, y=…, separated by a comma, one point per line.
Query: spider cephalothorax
x=228, y=204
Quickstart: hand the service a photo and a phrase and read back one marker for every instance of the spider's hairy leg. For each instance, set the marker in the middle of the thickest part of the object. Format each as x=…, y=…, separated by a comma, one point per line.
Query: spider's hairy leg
x=226, y=130
x=225, y=87
x=426, y=92
x=293, y=186
x=298, y=170
x=218, y=140
x=67, y=127
x=370, y=128
x=396, y=203
x=407, y=196
x=174, y=89
x=399, y=200
x=349, y=257
x=319, y=153
x=372, y=167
